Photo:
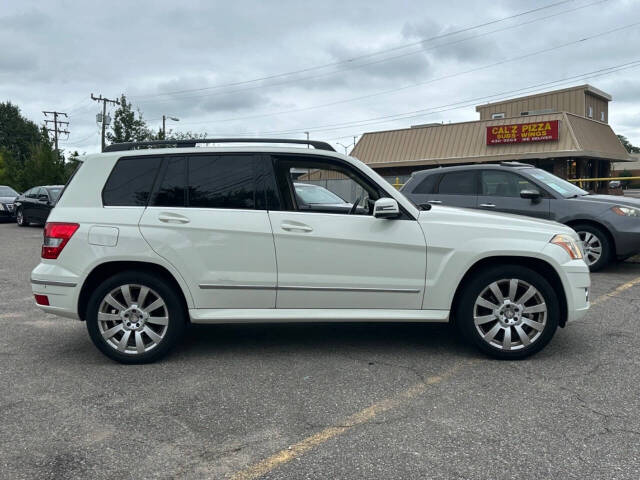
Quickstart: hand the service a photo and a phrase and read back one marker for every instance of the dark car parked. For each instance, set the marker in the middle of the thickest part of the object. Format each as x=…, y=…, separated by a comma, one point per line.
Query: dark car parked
x=34, y=205
x=608, y=225
x=7, y=199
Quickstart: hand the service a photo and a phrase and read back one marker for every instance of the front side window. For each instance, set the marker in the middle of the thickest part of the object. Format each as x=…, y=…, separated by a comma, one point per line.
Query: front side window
x=504, y=184
x=428, y=185
x=458, y=183
x=222, y=181
x=314, y=185
x=131, y=181
x=557, y=184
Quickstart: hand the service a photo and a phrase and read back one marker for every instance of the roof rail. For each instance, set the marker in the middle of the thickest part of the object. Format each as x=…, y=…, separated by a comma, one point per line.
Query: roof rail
x=515, y=164
x=120, y=147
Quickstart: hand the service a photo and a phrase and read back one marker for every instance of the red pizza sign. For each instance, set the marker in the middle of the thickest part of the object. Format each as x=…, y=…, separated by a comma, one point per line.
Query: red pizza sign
x=523, y=133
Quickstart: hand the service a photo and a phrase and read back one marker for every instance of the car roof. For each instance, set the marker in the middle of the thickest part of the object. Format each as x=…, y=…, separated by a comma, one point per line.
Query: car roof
x=475, y=166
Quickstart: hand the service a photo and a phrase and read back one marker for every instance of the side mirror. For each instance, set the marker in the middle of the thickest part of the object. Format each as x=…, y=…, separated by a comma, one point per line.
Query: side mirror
x=531, y=194
x=386, y=208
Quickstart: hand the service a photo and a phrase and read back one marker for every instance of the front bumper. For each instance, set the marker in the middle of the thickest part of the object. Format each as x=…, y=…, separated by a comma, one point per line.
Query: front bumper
x=7, y=214
x=576, y=282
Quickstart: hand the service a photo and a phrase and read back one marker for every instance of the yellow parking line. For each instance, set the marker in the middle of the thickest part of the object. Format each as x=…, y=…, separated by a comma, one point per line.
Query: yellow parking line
x=284, y=456
x=617, y=291
x=294, y=451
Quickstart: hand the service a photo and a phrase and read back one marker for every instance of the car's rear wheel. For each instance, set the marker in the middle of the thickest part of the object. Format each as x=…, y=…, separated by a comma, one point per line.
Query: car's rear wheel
x=134, y=317
x=508, y=312
x=21, y=220
x=595, y=245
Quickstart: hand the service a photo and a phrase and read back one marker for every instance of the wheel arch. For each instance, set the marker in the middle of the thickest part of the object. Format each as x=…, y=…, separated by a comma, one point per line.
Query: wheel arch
x=105, y=270
x=535, y=264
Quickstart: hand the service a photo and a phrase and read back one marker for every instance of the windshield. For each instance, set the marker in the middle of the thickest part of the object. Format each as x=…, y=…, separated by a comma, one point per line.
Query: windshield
x=54, y=193
x=8, y=192
x=312, y=194
x=557, y=184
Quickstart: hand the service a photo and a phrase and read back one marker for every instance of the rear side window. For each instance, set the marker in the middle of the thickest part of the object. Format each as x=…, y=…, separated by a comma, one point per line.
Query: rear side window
x=171, y=191
x=130, y=181
x=458, y=183
x=222, y=181
x=428, y=185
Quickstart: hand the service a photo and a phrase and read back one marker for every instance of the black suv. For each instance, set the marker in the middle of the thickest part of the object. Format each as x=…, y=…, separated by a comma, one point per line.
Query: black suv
x=608, y=225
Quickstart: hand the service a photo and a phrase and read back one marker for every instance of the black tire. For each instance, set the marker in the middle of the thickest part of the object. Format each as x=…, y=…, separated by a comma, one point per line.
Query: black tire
x=21, y=220
x=526, y=277
x=173, y=307
x=606, y=256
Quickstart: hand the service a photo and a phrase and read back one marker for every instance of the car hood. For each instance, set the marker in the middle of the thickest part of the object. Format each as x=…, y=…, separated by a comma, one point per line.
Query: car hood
x=7, y=199
x=610, y=200
x=493, y=220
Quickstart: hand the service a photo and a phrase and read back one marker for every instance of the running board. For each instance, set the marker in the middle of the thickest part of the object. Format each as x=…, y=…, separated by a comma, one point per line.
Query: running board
x=274, y=315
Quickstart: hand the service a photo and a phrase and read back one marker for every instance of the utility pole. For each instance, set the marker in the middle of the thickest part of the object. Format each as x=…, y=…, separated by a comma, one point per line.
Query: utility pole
x=104, y=101
x=56, y=125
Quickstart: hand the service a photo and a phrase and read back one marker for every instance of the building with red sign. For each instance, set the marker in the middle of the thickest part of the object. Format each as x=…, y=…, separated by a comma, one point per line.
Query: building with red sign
x=565, y=132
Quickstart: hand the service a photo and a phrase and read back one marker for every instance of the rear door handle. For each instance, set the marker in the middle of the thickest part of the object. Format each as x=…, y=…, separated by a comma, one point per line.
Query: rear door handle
x=488, y=205
x=296, y=227
x=166, y=217
x=434, y=202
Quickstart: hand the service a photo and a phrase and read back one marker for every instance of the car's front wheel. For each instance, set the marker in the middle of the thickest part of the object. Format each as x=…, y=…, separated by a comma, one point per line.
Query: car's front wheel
x=21, y=220
x=508, y=311
x=135, y=317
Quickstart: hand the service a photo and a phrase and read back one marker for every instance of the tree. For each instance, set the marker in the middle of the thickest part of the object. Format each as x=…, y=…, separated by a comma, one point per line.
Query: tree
x=128, y=125
x=17, y=134
x=627, y=144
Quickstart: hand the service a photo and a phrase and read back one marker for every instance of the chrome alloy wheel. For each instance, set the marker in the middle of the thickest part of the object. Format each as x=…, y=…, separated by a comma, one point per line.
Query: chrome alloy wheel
x=591, y=247
x=20, y=217
x=510, y=314
x=133, y=319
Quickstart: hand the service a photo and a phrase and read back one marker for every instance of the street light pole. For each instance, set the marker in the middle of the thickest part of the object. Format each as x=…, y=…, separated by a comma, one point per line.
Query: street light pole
x=164, y=125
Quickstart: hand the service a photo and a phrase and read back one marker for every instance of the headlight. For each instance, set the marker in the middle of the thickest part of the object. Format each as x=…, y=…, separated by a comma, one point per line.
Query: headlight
x=626, y=211
x=2, y=207
x=569, y=244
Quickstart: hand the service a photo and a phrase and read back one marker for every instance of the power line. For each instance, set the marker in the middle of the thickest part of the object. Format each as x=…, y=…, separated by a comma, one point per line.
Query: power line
x=453, y=75
x=359, y=57
x=455, y=106
x=353, y=99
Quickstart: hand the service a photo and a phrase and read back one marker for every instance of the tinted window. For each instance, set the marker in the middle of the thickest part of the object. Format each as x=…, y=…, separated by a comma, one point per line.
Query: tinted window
x=504, y=184
x=428, y=185
x=130, y=181
x=266, y=190
x=458, y=183
x=171, y=189
x=222, y=181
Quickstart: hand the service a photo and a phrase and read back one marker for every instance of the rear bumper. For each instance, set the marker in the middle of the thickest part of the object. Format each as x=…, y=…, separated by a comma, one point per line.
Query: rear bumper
x=61, y=288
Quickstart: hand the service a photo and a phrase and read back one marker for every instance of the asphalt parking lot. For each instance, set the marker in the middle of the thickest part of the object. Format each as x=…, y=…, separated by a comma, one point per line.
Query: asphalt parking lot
x=317, y=401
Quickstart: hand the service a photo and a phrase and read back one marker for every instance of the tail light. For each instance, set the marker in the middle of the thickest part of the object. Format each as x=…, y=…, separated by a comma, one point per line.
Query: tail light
x=56, y=236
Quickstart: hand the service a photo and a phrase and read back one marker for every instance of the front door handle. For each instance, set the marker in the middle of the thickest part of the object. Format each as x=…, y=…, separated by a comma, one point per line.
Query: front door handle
x=166, y=217
x=296, y=227
x=434, y=202
x=488, y=205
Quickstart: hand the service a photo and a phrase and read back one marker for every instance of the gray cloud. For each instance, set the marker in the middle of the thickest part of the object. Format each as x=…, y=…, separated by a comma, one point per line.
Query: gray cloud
x=53, y=55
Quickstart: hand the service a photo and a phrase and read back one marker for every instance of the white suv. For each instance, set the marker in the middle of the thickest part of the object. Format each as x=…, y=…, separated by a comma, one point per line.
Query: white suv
x=144, y=241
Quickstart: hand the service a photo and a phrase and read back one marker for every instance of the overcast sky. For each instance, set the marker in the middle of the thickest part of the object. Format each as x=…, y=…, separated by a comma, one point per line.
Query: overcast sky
x=361, y=65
